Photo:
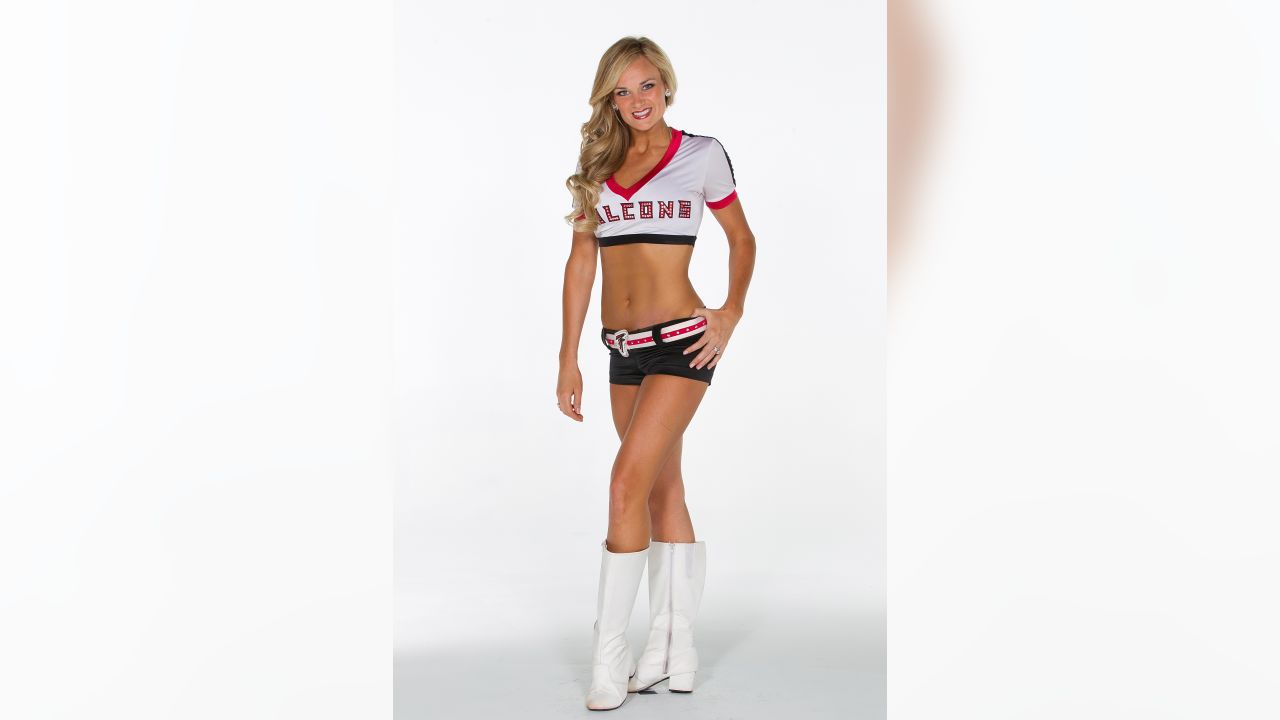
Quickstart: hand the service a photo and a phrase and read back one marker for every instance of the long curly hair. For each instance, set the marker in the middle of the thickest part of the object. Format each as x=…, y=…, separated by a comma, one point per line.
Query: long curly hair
x=605, y=137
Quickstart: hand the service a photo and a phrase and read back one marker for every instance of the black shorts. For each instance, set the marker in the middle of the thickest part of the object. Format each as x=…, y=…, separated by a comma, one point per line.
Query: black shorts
x=661, y=356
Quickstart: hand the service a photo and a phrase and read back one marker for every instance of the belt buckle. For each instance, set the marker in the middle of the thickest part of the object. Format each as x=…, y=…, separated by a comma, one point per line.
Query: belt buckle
x=620, y=339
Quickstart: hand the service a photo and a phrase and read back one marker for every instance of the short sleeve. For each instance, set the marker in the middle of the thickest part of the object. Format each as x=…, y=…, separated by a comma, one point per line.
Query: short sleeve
x=719, y=188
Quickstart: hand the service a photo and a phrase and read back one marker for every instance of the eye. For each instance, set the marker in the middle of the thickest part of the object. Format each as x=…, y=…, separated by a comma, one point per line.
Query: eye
x=620, y=93
x=647, y=86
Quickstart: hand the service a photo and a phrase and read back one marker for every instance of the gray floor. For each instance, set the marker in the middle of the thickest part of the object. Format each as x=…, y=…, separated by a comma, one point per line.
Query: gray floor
x=781, y=662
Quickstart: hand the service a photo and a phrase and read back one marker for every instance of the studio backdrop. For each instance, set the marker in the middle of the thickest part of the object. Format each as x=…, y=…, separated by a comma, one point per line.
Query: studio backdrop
x=501, y=501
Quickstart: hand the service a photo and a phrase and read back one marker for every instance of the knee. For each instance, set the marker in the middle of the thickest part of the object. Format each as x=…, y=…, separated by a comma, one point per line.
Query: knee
x=627, y=492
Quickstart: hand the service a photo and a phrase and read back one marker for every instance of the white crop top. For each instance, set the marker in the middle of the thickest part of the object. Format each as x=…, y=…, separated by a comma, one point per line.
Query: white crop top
x=665, y=206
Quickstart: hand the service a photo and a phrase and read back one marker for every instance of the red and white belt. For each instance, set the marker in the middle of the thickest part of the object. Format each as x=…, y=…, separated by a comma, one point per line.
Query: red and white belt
x=626, y=342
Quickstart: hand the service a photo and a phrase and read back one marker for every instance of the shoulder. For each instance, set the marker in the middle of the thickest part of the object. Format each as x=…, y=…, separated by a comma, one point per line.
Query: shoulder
x=700, y=142
x=707, y=147
x=713, y=155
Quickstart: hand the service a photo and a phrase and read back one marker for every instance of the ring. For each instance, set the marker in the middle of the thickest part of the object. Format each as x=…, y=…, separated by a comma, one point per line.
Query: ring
x=716, y=350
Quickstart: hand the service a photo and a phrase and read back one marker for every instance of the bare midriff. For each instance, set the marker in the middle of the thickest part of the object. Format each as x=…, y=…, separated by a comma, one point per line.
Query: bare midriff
x=645, y=284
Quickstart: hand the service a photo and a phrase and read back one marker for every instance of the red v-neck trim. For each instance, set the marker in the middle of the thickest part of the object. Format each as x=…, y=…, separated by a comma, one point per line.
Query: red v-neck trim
x=626, y=193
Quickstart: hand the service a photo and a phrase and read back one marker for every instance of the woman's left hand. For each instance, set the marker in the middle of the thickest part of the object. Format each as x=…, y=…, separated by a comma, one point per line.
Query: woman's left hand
x=720, y=325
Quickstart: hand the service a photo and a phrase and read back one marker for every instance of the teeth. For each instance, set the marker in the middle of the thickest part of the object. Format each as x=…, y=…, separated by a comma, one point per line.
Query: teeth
x=642, y=115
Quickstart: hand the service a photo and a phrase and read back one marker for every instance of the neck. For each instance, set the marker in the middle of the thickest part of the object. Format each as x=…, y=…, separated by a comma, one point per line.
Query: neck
x=657, y=136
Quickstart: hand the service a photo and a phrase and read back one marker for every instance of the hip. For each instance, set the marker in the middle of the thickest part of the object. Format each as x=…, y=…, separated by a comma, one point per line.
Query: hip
x=657, y=348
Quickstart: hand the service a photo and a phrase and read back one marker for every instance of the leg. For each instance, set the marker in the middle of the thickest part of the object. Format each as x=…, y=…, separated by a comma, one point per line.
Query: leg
x=664, y=407
x=622, y=399
x=669, y=516
x=676, y=572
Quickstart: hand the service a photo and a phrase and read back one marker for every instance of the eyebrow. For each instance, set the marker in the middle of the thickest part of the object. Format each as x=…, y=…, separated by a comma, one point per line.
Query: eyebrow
x=620, y=87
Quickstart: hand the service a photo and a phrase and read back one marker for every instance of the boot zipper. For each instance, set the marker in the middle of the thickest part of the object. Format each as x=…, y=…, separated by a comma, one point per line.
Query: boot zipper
x=671, y=605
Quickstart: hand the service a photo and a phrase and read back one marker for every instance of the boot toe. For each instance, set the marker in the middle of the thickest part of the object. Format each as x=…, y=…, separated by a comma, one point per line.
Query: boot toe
x=608, y=687
x=604, y=699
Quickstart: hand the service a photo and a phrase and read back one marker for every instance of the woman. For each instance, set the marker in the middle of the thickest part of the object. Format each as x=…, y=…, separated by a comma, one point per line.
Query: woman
x=646, y=183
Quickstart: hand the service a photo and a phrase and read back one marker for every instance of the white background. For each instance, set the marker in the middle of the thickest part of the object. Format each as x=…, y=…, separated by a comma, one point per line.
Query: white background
x=195, y=457
x=1083, y=354
x=195, y=466
x=501, y=501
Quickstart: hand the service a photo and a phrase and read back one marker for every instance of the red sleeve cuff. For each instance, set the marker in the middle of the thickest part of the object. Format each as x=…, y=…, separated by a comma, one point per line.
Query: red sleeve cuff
x=717, y=204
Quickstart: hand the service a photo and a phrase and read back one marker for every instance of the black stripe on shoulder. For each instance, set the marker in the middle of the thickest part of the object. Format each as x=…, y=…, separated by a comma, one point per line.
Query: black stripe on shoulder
x=726, y=153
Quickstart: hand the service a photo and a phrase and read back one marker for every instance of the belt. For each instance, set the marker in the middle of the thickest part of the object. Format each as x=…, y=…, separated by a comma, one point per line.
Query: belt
x=625, y=341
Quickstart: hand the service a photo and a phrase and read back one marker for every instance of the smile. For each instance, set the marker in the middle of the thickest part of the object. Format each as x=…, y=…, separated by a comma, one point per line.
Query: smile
x=642, y=114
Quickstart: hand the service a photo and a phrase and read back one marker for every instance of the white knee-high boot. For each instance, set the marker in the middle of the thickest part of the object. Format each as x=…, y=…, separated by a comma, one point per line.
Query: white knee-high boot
x=677, y=572
x=611, y=660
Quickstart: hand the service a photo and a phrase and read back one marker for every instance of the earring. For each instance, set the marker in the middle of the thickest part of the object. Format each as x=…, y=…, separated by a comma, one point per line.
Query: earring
x=668, y=93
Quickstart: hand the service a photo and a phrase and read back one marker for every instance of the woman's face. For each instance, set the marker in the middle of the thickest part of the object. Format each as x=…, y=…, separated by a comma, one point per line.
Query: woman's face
x=640, y=95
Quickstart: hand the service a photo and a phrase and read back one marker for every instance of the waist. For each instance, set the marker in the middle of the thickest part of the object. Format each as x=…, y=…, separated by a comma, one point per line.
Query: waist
x=640, y=310
x=624, y=341
x=644, y=284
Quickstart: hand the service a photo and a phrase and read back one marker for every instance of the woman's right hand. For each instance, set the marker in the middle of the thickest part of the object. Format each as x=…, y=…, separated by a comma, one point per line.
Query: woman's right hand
x=569, y=390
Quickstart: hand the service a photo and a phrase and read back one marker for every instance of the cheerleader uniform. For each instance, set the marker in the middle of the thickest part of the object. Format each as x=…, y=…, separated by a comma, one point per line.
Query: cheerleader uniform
x=665, y=207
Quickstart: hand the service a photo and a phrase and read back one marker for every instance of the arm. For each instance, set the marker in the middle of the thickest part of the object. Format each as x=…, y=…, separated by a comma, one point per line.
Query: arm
x=720, y=189
x=742, y=255
x=579, y=277
x=742, y=261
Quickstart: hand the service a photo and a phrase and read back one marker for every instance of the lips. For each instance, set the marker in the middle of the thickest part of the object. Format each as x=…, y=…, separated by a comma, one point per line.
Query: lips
x=642, y=114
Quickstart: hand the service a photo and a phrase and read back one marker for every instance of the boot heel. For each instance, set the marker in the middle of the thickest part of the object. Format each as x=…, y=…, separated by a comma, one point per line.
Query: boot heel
x=682, y=683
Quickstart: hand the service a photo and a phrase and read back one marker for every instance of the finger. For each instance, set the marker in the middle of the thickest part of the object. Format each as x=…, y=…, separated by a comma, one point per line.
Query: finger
x=709, y=353
x=702, y=347
x=701, y=358
x=695, y=345
x=717, y=354
x=577, y=401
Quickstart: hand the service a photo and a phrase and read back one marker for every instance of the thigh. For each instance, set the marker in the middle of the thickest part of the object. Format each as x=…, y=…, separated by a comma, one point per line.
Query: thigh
x=664, y=408
x=622, y=398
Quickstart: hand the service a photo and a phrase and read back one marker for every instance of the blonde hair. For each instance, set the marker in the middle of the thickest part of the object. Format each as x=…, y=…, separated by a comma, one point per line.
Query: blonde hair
x=605, y=137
